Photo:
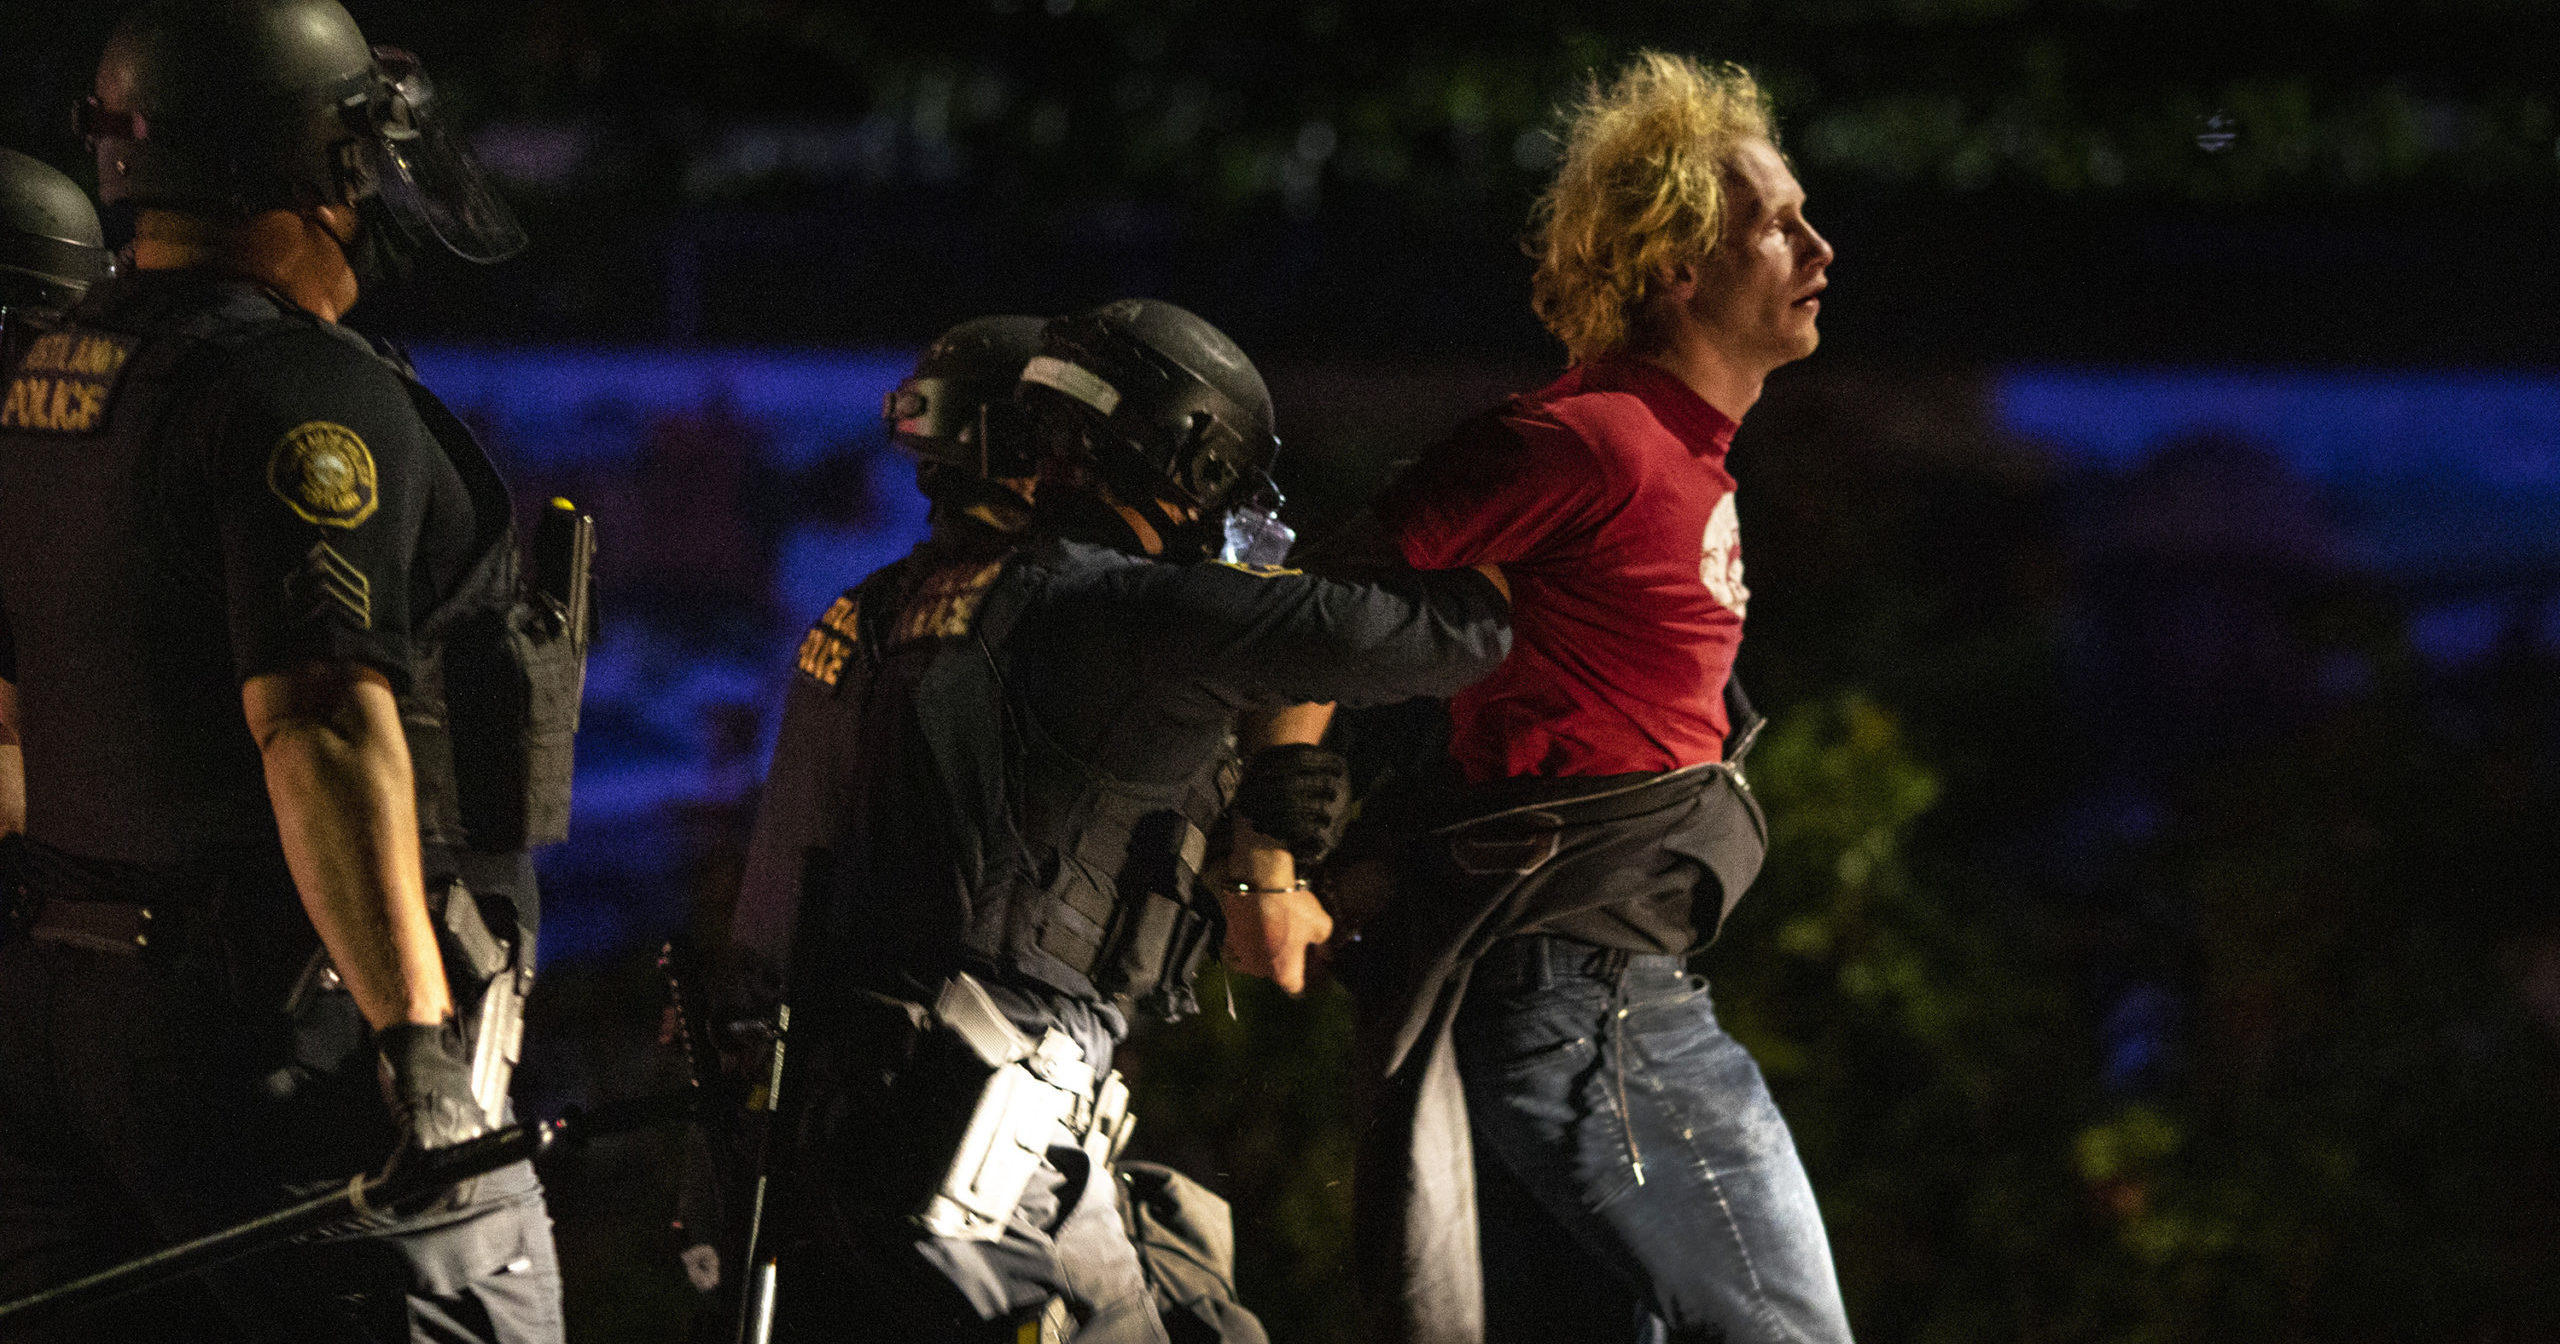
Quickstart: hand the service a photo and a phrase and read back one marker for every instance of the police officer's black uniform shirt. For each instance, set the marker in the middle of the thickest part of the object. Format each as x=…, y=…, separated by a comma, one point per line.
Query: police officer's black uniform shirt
x=201, y=484
x=1132, y=669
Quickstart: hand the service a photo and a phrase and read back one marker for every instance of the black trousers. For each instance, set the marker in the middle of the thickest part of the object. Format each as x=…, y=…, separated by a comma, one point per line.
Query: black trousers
x=153, y=1095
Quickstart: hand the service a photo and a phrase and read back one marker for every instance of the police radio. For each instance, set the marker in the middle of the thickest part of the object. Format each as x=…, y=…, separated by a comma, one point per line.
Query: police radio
x=564, y=553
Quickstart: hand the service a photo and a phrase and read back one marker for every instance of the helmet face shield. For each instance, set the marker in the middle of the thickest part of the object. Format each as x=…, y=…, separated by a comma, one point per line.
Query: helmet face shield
x=430, y=183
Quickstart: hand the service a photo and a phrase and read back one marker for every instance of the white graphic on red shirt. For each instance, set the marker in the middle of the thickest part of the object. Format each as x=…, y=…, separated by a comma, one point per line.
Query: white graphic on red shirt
x=1720, y=557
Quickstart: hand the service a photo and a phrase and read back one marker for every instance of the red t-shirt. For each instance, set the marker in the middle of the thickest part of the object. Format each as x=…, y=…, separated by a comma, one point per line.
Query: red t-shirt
x=1604, y=499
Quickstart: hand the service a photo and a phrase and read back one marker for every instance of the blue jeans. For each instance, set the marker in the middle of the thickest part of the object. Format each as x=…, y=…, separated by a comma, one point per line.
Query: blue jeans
x=1635, y=1181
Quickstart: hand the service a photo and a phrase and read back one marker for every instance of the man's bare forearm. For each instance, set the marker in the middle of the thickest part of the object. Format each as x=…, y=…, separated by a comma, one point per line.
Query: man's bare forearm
x=338, y=775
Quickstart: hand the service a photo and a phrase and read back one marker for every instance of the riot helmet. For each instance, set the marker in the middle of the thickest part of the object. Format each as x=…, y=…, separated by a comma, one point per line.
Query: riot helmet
x=232, y=107
x=956, y=411
x=1166, y=410
x=51, y=249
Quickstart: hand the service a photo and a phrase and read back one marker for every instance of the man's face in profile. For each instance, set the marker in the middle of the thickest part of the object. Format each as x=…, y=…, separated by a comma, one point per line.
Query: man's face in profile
x=1758, y=292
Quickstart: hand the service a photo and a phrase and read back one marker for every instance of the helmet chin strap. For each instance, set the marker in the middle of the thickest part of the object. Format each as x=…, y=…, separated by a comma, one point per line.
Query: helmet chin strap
x=1081, y=515
x=1149, y=528
x=1196, y=537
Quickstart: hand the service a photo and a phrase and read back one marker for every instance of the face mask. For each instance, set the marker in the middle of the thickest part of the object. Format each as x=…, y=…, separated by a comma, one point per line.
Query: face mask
x=381, y=253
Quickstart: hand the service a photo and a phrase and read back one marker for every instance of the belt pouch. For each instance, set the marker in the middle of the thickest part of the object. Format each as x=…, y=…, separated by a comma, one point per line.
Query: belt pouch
x=992, y=1102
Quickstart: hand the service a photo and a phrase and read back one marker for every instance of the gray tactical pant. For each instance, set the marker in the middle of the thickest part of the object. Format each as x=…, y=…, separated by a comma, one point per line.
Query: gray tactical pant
x=146, y=1099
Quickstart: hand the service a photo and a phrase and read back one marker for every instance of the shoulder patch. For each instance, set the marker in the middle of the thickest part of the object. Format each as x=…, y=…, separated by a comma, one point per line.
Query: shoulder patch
x=946, y=603
x=66, y=381
x=832, y=640
x=1258, y=571
x=324, y=473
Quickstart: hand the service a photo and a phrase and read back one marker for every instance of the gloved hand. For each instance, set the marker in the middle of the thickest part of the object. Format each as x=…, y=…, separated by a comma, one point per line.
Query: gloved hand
x=1298, y=795
x=426, y=1080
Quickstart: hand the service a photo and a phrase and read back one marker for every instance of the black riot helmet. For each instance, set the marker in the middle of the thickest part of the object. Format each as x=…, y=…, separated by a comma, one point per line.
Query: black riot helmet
x=231, y=107
x=957, y=411
x=51, y=250
x=1169, y=405
x=1164, y=408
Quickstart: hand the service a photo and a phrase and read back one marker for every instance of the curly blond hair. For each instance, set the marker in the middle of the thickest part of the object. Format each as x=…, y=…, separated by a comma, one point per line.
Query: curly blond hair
x=1641, y=186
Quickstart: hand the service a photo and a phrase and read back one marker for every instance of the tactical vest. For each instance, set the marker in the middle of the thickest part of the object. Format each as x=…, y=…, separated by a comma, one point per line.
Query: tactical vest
x=492, y=707
x=115, y=596
x=1059, y=874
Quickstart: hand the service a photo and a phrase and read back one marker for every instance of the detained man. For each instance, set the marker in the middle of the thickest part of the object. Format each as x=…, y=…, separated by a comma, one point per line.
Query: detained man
x=1562, y=1142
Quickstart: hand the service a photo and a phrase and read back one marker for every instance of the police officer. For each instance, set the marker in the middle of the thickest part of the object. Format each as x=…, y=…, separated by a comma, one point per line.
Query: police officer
x=995, y=786
x=291, y=719
x=51, y=249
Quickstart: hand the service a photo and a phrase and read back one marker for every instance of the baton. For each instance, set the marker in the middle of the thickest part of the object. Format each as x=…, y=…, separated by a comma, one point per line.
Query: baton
x=418, y=1175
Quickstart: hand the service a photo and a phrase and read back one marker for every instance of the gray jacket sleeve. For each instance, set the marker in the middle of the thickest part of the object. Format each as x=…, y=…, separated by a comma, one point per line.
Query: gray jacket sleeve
x=1273, y=636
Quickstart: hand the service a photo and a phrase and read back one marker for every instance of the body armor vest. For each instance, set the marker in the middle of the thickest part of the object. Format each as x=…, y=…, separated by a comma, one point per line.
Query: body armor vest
x=982, y=844
x=135, y=745
x=491, y=712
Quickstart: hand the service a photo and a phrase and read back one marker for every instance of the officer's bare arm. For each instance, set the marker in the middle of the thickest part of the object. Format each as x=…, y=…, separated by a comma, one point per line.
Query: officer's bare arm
x=13, y=764
x=338, y=774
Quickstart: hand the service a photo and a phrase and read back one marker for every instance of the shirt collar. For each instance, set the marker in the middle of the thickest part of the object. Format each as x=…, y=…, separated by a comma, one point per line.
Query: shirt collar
x=1706, y=430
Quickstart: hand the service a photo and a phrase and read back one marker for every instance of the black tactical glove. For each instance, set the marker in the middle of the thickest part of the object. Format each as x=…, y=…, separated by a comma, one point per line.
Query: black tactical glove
x=426, y=1078
x=1298, y=795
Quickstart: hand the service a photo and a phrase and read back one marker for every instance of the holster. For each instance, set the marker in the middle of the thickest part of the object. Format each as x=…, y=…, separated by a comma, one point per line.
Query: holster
x=982, y=1104
x=489, y=977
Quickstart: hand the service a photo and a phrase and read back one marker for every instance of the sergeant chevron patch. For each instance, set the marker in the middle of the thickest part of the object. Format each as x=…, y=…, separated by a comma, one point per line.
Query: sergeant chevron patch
x=326, y=578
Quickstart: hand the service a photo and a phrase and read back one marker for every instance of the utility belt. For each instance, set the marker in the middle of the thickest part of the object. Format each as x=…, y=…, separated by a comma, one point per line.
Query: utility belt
x=120, y=908
x=975, y=1105
x=245, y=914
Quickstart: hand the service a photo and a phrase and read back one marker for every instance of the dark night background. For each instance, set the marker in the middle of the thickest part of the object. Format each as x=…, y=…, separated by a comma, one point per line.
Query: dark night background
x=2157, y=572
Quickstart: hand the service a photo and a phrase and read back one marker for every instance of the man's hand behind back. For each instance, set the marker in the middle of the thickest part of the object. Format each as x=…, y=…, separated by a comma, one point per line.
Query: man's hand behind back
x=1270, y=932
